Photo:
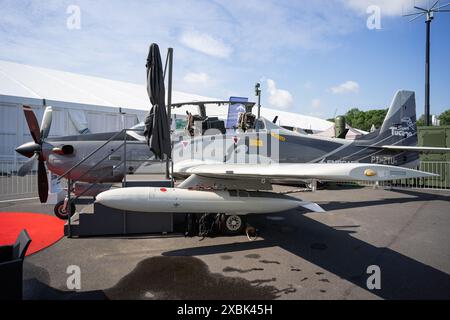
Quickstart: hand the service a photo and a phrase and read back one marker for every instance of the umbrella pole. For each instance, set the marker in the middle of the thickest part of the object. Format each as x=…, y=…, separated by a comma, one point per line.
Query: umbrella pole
x=258, y=94
x=169, y=168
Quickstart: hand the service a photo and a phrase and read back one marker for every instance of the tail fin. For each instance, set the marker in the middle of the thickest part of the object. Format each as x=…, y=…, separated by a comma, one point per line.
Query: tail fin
x=401, y=113
x=399, y=125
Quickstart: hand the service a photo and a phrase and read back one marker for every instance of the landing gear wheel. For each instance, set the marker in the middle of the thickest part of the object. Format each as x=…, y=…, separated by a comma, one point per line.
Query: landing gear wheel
x=61, y=213
x=234, y=224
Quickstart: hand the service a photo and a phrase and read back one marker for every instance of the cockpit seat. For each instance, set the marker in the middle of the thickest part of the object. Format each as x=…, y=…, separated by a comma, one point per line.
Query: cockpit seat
x=213, y=123
x=206, y=124
x=246, y=121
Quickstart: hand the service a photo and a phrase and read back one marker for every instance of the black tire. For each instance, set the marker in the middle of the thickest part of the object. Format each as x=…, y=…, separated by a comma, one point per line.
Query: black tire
x=60, y=213
x=234, y=224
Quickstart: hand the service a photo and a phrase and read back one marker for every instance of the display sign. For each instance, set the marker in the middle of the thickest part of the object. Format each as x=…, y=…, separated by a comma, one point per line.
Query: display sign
x=233, y=111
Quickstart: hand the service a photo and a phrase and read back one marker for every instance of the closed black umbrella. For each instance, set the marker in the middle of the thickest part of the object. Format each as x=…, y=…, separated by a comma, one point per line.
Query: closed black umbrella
x=157, y=129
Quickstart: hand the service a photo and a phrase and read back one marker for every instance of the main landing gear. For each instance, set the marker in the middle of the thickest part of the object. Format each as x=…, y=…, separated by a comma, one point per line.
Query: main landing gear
x=234, y=224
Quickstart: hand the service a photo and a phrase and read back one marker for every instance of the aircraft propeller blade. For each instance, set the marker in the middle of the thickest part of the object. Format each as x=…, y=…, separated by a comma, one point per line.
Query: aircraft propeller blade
x=33, y=125
x=38, y=134
x=27, y=166
x=46, y=122
x=42, y=182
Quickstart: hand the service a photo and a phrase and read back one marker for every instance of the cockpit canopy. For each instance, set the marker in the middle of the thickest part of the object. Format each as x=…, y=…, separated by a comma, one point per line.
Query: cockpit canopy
x=201, y=117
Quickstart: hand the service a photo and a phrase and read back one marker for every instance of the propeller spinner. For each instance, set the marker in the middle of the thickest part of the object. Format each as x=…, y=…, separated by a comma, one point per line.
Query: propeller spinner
x=33, y=150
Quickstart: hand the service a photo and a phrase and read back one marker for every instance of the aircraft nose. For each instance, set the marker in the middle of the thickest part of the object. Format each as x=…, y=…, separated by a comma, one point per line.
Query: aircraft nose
x=28, y=149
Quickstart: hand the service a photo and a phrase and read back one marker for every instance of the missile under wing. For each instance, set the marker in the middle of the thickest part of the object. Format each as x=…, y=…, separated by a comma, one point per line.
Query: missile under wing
x=234, y=189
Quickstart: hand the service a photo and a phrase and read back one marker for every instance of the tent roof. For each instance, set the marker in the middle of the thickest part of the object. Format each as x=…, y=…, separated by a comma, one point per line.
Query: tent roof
x=296, y=120
x=351, y=134
x=41, y=83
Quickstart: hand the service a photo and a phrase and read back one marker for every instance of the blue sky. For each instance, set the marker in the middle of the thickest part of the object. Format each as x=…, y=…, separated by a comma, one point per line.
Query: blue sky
x=313, y=57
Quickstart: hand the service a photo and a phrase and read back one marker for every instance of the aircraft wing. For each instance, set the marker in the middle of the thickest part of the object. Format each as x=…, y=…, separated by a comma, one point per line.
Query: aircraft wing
x=300, y=171
x=414, y=148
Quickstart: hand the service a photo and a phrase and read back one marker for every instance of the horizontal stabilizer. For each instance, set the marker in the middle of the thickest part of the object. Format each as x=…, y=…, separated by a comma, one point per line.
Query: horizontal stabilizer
x=419, y=149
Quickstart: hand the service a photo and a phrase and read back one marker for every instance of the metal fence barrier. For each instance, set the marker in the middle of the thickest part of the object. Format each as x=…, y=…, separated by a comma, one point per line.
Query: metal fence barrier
x=12, y=186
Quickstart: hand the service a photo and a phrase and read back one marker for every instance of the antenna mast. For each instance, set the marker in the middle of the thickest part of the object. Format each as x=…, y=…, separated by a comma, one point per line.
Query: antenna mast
x=429, y=16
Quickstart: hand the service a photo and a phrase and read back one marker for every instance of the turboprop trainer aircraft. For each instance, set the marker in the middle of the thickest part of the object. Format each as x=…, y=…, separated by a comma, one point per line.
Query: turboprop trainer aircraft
x=236, y=190
x=395, y=143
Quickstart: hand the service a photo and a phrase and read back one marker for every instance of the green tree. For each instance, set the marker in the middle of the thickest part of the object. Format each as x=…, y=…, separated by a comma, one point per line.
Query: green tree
x=445, y=118
x=374, y=117
x=421, y=121
x=364, y=120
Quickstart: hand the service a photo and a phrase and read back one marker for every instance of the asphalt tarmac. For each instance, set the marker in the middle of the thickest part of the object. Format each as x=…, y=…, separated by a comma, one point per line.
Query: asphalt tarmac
x=298, y=255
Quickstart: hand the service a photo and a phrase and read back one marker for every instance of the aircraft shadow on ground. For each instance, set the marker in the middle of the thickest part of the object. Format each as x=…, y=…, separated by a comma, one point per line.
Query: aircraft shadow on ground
x=338, y=252
x=417, y=196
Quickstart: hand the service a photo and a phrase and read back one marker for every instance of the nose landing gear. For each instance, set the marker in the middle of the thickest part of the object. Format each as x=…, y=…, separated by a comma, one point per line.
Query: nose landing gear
x=61, y=211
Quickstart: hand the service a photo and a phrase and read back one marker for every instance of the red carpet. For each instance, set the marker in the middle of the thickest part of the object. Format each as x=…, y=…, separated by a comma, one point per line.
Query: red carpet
x=44, y=230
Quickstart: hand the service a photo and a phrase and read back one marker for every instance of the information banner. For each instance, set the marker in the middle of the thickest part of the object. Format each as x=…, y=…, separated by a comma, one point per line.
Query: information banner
x=233, y=111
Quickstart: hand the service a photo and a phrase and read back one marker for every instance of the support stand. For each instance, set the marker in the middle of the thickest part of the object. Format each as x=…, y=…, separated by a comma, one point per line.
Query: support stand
x=169, y=161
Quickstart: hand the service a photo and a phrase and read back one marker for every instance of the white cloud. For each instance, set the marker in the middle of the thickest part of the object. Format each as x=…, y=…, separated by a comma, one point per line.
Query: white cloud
x=346, y=87
x=278, y=98
x=194, y=78
x=315, y=103
x=206, y=44
x=228, y=29
x=388, y=7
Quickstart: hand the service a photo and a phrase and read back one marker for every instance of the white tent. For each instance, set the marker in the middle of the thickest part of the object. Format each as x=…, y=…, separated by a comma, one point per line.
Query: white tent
x=25, y=81
x=352, y=133
x=296, y=120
